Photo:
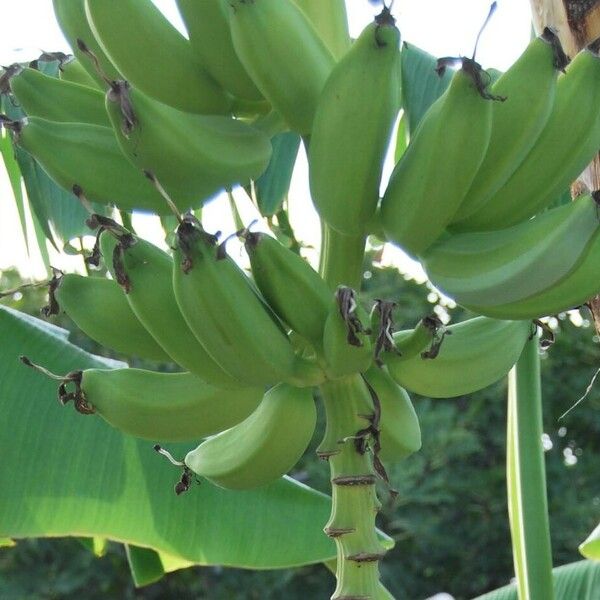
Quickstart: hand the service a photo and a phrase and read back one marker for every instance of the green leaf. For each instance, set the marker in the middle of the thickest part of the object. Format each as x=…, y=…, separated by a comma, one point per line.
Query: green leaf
x=65, y=474
x=421, y=85
x=272, y=186
x=145, y=565
x=575, y=581
x=96, y=545
x=526, y=478
x=591, y=547
x=6, y=543
x=14, y=177
x=52, y=205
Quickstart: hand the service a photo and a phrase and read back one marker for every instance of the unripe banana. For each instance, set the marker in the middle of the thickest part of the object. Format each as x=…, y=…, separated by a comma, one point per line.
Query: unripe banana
x=330, y=19
x=193, y=156
x=436, y=171
x=154, y=56
x=263, y=447
x=90, y=158
x=476, y=354
x=207, y=24
x=144, y=271
x=73, y=22
x=529, y=88
x=352, y=128
x=283, y=54
x=581, y=284
x=225, y=312
x=399, y=429
x=346, y=343
x=170, y=407
x=489, y=268
x=293, y=289
x=99, y=308
x=56, y=100
x=424, y=340
x=72, y=71
x=568, y=142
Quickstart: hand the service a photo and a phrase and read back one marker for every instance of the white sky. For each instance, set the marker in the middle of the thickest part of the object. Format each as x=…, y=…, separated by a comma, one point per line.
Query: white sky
x=441, y=27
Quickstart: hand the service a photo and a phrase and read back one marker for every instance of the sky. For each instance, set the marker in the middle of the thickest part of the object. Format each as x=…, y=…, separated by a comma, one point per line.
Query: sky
x=442, y=28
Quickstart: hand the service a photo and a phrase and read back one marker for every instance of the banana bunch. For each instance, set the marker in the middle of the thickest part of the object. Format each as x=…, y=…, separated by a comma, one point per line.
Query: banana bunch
x=228, y=315
x=470, y=195
x=175, y=119
x=566, y=144
x=144, y=118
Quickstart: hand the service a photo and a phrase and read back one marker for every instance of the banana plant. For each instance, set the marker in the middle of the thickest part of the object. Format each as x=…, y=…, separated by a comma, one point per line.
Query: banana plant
x=133, y=124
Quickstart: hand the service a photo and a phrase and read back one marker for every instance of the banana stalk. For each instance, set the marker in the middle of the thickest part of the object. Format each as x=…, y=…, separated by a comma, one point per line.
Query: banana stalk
x=349, y=411
x=526, y=477
x=354, y=499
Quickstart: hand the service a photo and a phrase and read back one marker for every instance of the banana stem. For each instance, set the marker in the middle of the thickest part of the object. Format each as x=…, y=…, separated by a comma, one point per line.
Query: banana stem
x=342, y=258
x=348, y=410
x=526, y=478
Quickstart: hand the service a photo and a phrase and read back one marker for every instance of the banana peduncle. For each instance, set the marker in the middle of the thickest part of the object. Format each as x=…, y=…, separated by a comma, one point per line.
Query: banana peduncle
x=349, y=412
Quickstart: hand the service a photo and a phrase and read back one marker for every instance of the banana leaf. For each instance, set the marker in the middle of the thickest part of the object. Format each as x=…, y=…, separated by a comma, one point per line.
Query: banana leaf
x=145, y=565
x=575, y=581
x=65, y=474
x=591, y=547
x=421, y=85
x=272, y=186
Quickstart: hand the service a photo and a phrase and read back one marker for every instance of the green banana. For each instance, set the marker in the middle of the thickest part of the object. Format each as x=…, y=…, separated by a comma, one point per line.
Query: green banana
x=571, y=291
x=330, y=19
x=478, y=352
x=288, y=62
x=352, y=128
x=529, y=88
x=263, y=447
x=435, y=172
x=135, y=34
x=399, y=429
x=207, y=24
x=72, y=71
x=56, y=100
x=293, y=289
x=347, y=346
x=409, y=343
x=170, y=407
x=99, y=308
x=488, y=268
x=225, y=312
x=568, y=142
x=89, y=158
x=144, y=271
x=73, y=22
x=193, y=156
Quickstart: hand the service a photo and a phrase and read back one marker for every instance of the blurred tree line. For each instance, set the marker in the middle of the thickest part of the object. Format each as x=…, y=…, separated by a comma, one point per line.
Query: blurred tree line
x=449, y=519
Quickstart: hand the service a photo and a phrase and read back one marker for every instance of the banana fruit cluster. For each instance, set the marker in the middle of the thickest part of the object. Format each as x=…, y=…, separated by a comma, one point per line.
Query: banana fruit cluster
x=146, y=118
